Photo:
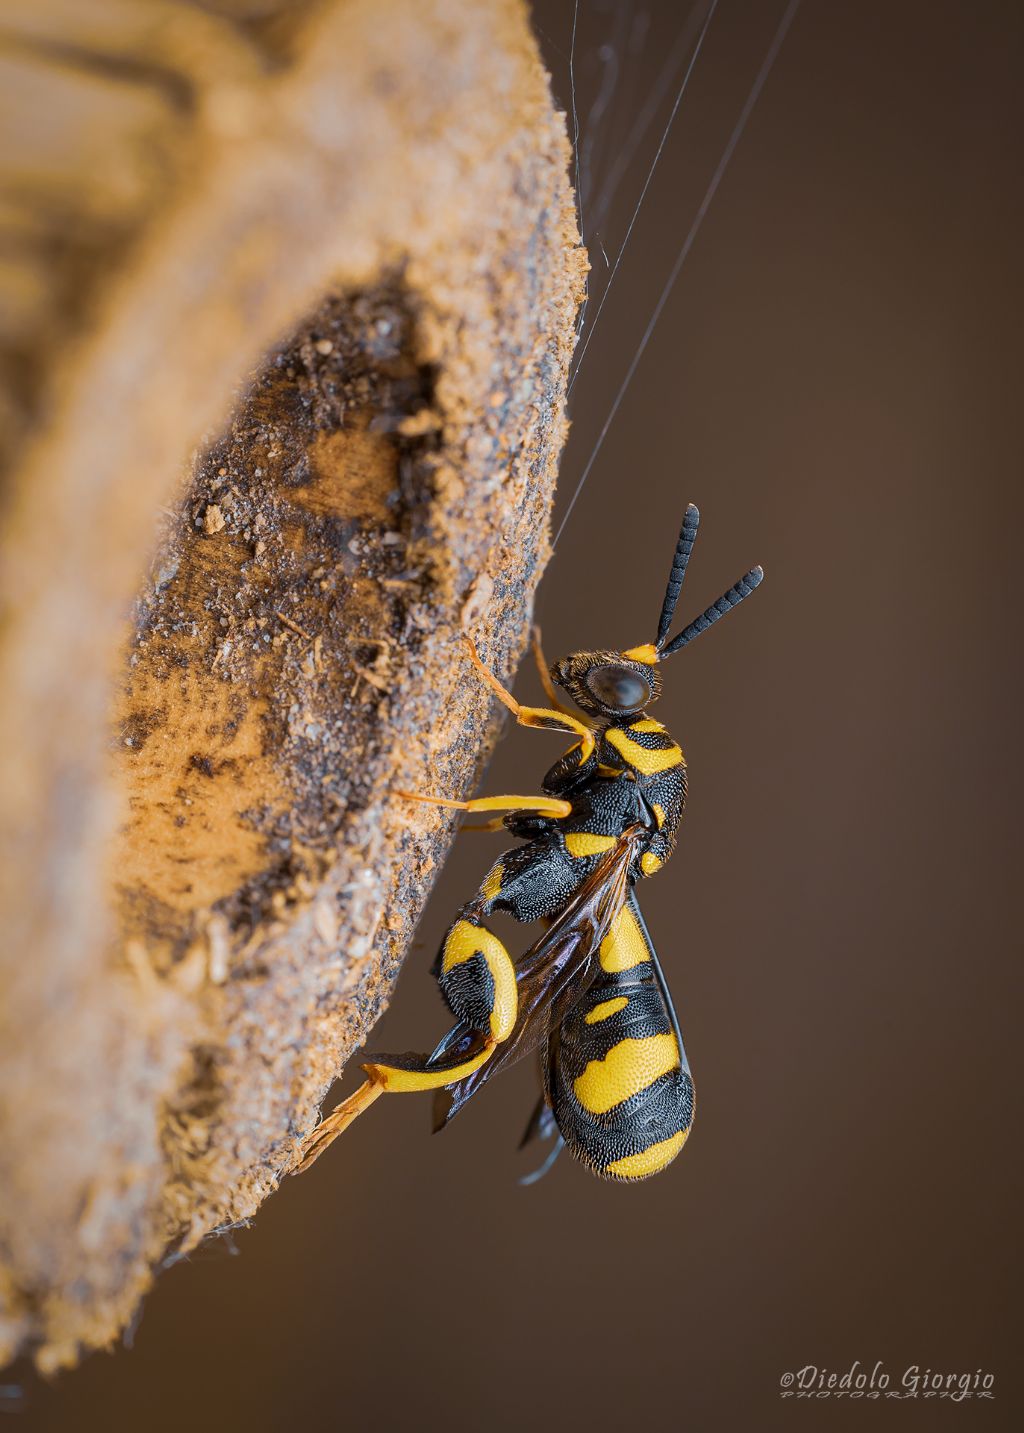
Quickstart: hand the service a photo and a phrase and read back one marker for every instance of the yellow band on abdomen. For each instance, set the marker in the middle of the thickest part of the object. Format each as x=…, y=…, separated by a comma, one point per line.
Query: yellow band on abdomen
x=606, y=1009
x=624, y=946
x=650, y=1160
x=629, y=1067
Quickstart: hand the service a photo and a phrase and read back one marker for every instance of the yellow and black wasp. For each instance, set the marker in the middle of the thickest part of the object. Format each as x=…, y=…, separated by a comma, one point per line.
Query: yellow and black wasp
x=590, y=992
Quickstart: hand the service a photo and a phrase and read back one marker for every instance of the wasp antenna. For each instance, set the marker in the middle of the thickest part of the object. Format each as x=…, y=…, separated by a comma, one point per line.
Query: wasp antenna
x=725, y=604
x=687, y=536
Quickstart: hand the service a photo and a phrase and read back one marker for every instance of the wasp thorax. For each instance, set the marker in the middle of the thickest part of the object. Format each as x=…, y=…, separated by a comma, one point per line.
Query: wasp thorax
x=606, y=683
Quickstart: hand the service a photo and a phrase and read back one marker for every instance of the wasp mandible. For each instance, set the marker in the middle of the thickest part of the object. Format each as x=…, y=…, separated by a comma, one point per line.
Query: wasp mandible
x=590, y=992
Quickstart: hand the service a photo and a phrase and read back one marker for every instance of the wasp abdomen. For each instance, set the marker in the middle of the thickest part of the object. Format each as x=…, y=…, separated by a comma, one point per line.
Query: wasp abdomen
x=618, y=1081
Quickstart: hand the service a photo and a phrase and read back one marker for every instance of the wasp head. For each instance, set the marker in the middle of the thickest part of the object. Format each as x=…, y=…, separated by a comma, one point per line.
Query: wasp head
x=613, y=684
x=608, y=684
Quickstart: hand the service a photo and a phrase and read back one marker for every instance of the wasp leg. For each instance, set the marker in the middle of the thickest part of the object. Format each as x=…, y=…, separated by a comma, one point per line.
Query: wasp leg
x=553, y=1153
x=541, y=1124
x=531, y=882
x=542, y=1127
x=462, y=1051
x=337, y=1122
x=459, y=1040
x=542, y=717
x=545, y=673
x=545, y=805
x=478, y=981
x=477, y=978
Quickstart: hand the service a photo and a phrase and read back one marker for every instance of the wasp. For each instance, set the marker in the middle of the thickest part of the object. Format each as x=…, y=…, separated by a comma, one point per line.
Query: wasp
x=590, y=993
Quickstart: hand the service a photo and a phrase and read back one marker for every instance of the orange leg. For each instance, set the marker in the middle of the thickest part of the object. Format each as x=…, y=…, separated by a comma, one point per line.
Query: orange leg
x=337, y=1122
x=403, y=1074
x=542, y=717
x=546, y=805
x=544, y=672
x=398, y=1074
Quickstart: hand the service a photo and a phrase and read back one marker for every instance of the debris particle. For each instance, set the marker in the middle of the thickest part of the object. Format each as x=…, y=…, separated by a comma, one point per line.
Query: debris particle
x=324, y=346
x=213, y=520
x=293, y=626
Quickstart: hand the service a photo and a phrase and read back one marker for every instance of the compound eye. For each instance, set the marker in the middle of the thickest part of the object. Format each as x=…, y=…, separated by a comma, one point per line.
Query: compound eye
x=618, y=687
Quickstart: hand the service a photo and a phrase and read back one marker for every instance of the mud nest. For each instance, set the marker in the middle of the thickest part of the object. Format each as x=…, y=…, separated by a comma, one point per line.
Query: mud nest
x=294, y=291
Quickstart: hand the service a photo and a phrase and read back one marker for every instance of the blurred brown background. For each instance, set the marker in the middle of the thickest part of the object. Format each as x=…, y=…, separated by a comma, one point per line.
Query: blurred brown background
x=835, y=381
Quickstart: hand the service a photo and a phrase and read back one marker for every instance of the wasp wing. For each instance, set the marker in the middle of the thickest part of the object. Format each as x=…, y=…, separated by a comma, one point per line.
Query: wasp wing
x=659, y=978
x=556, y=971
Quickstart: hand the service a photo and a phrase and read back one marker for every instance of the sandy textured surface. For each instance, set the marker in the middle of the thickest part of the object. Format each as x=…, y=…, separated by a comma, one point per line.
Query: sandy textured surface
x=331, y=252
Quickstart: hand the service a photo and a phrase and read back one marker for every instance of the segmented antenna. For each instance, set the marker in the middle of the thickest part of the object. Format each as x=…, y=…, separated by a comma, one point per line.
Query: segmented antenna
x=684, y=547
x=725, y=604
